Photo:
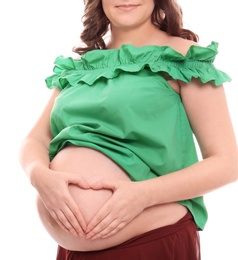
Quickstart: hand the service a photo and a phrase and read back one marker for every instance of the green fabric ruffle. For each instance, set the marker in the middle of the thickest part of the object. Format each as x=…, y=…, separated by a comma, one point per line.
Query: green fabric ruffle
x=96, y=64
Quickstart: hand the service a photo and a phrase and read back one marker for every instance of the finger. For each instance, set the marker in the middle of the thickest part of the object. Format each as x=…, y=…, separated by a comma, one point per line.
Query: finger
x=76, y=219
x=103, y=185
x=73, y=215
x=101, y=215
x=102, y=225
x=113, y=228
x=64, y=221
x=67, y=220
x=54, y=216
x=82, y=183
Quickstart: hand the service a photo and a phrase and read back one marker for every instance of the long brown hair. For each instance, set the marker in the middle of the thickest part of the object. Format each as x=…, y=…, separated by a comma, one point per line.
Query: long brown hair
x=167, y=16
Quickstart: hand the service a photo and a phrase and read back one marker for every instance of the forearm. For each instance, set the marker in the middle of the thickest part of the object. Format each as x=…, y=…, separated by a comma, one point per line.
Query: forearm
x=33, y=157
x=193, y=181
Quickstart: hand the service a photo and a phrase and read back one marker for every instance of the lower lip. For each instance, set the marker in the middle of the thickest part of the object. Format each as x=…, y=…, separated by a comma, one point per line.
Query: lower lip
x=127, y=8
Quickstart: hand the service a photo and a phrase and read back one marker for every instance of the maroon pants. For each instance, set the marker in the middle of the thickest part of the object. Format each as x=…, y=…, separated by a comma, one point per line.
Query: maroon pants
x=174, y=242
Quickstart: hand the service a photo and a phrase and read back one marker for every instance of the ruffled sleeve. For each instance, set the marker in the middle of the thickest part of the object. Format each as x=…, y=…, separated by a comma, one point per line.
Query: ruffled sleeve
x=62, y=71
x=197, y=63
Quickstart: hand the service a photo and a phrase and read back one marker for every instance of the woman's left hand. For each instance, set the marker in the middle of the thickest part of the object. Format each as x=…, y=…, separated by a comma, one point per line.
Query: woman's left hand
x=126, y=202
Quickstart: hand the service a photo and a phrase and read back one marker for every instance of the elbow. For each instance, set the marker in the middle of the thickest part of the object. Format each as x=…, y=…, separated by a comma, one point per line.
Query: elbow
x=227, y=166
x=234, y=175
x=236, y=171
x=233, y=168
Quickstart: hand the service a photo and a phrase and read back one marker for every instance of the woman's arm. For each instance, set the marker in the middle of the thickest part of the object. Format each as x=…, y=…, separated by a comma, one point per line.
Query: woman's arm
x=208, y=113
x=52, y=186
x=34, y=149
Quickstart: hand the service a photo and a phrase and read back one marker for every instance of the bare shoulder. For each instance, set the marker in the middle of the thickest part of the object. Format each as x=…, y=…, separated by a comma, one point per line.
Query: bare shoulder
x=181, y=45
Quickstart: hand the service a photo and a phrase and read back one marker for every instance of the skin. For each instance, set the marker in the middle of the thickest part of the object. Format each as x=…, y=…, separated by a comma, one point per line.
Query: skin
x=95, y=166
x=208, y=113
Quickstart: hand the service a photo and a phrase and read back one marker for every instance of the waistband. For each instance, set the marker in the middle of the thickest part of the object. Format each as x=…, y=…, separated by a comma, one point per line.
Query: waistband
x=157, y=233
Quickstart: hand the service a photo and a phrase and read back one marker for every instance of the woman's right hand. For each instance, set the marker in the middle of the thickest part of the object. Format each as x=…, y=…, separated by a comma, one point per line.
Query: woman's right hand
x=53, y=189
x=52, y=186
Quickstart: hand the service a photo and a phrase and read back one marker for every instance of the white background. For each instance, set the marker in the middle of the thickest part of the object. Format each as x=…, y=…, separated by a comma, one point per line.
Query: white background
x=33, y=33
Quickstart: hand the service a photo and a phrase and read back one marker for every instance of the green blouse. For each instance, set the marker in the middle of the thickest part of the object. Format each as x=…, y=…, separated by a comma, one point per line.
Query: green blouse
x=120, y=103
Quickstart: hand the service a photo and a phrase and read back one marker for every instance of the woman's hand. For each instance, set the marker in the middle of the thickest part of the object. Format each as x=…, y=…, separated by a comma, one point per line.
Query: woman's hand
x=54, y=193
x=126, y=202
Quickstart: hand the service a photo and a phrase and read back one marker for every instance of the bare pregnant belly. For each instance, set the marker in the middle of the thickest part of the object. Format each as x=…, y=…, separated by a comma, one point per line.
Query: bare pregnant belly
x=94, y=165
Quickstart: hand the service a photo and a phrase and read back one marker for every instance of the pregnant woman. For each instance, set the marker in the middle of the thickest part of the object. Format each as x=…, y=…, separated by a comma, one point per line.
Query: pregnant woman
x=112, y=156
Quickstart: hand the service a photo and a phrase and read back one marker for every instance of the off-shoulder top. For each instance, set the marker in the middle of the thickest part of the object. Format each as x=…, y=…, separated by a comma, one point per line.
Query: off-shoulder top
x=119, y=102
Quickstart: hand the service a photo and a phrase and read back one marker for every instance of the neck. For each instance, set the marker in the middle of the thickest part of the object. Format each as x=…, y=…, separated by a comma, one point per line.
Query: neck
x=138, y=37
